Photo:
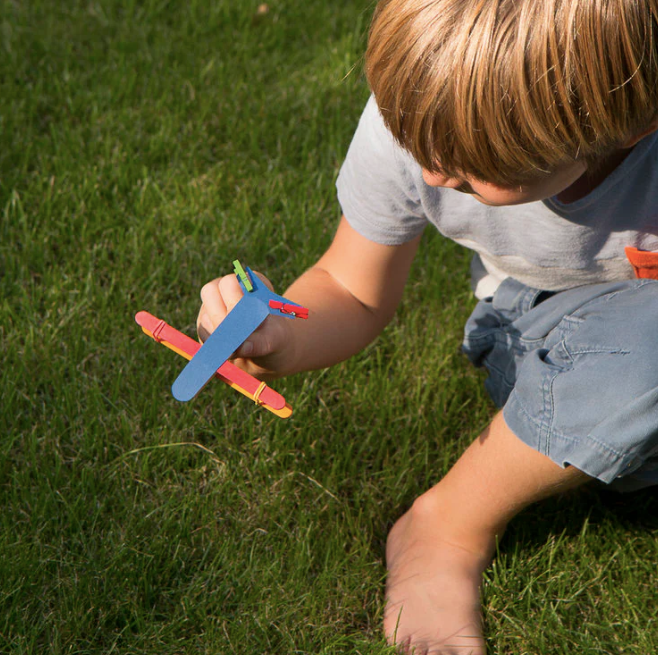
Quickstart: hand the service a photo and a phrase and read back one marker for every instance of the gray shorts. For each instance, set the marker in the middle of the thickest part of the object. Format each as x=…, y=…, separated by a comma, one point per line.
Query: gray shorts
x=576, y=373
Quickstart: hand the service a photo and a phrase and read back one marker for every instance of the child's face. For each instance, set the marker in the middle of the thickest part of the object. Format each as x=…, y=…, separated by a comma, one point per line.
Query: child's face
x=496, y=196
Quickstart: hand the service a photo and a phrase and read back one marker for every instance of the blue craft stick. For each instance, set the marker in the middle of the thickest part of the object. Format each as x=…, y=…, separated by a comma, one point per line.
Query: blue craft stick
x=231, y=333
x=260, y=291
x=257, y=286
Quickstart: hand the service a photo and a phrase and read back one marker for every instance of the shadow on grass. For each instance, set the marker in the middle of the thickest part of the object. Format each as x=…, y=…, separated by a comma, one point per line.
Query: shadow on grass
x=594, y=506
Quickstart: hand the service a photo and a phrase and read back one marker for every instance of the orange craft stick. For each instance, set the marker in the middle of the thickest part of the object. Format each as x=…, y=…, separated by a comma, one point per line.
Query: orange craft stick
x=236, y=378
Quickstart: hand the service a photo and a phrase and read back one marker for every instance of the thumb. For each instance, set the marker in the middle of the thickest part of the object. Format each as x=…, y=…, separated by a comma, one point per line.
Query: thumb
x=270, y=338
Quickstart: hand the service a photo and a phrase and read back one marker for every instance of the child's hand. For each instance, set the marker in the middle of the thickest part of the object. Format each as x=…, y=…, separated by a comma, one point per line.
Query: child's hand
x=263, y=349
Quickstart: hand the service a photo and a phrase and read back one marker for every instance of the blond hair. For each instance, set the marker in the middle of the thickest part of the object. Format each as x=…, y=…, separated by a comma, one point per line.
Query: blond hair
x=507, y=91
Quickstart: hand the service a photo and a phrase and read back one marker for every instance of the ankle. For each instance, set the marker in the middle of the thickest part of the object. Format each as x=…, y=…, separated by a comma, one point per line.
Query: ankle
x=445, y=518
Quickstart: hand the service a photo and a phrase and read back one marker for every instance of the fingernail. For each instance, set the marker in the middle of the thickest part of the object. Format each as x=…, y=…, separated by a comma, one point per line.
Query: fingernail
x=247, y=348
x=206, y=324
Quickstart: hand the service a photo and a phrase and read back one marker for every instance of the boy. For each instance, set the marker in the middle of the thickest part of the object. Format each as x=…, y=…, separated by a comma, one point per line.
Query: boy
x=523, y=129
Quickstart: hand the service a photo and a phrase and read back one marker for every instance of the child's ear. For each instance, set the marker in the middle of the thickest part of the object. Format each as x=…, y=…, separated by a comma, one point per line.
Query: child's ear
x=650, y=129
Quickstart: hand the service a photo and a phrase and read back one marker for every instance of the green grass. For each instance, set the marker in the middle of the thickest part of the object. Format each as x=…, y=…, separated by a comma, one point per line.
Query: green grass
x=143, y=147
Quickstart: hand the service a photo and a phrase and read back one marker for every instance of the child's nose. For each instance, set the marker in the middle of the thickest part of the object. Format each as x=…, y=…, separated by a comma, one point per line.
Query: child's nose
x=437, y=179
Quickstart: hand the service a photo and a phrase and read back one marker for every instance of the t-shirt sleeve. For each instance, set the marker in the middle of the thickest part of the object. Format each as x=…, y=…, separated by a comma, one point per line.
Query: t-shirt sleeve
x=376, y=187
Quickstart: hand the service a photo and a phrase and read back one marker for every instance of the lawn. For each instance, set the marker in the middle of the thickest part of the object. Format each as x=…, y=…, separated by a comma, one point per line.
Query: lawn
x=144, y=145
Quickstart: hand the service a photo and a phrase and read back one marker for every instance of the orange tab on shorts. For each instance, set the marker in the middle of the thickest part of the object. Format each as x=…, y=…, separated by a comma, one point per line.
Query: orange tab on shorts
x=644, y=263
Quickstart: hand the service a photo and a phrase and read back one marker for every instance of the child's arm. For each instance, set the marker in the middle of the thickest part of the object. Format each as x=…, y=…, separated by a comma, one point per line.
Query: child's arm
x=352, y=293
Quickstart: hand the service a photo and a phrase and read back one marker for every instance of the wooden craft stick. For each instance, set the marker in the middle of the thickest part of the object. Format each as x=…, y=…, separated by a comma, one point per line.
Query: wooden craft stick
x=230, y=374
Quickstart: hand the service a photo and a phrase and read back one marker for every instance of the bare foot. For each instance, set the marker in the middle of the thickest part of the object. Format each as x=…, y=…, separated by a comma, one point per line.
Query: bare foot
x=433, y=596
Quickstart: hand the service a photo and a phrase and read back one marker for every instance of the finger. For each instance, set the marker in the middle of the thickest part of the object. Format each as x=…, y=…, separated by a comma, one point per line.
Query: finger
x=212, y=299
x=212, y=311
x=230, y=290
x=202, y=323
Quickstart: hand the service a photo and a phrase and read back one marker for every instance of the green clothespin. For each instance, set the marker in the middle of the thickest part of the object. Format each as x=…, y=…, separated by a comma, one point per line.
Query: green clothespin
x=242, y=274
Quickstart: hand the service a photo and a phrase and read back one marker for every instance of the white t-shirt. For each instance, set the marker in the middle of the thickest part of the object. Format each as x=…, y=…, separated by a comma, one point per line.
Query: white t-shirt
x=545, y=244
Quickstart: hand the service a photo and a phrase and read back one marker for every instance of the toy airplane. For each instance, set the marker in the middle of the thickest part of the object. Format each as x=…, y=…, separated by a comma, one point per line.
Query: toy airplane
x=210, y=359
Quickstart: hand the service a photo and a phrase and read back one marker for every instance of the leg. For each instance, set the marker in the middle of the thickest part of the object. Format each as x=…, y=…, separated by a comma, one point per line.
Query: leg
x=437, y=551
x=578, y=377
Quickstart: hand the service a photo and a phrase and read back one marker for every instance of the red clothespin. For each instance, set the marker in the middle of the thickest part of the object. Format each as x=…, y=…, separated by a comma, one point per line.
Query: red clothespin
x=287, y=308
x=295, y=310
